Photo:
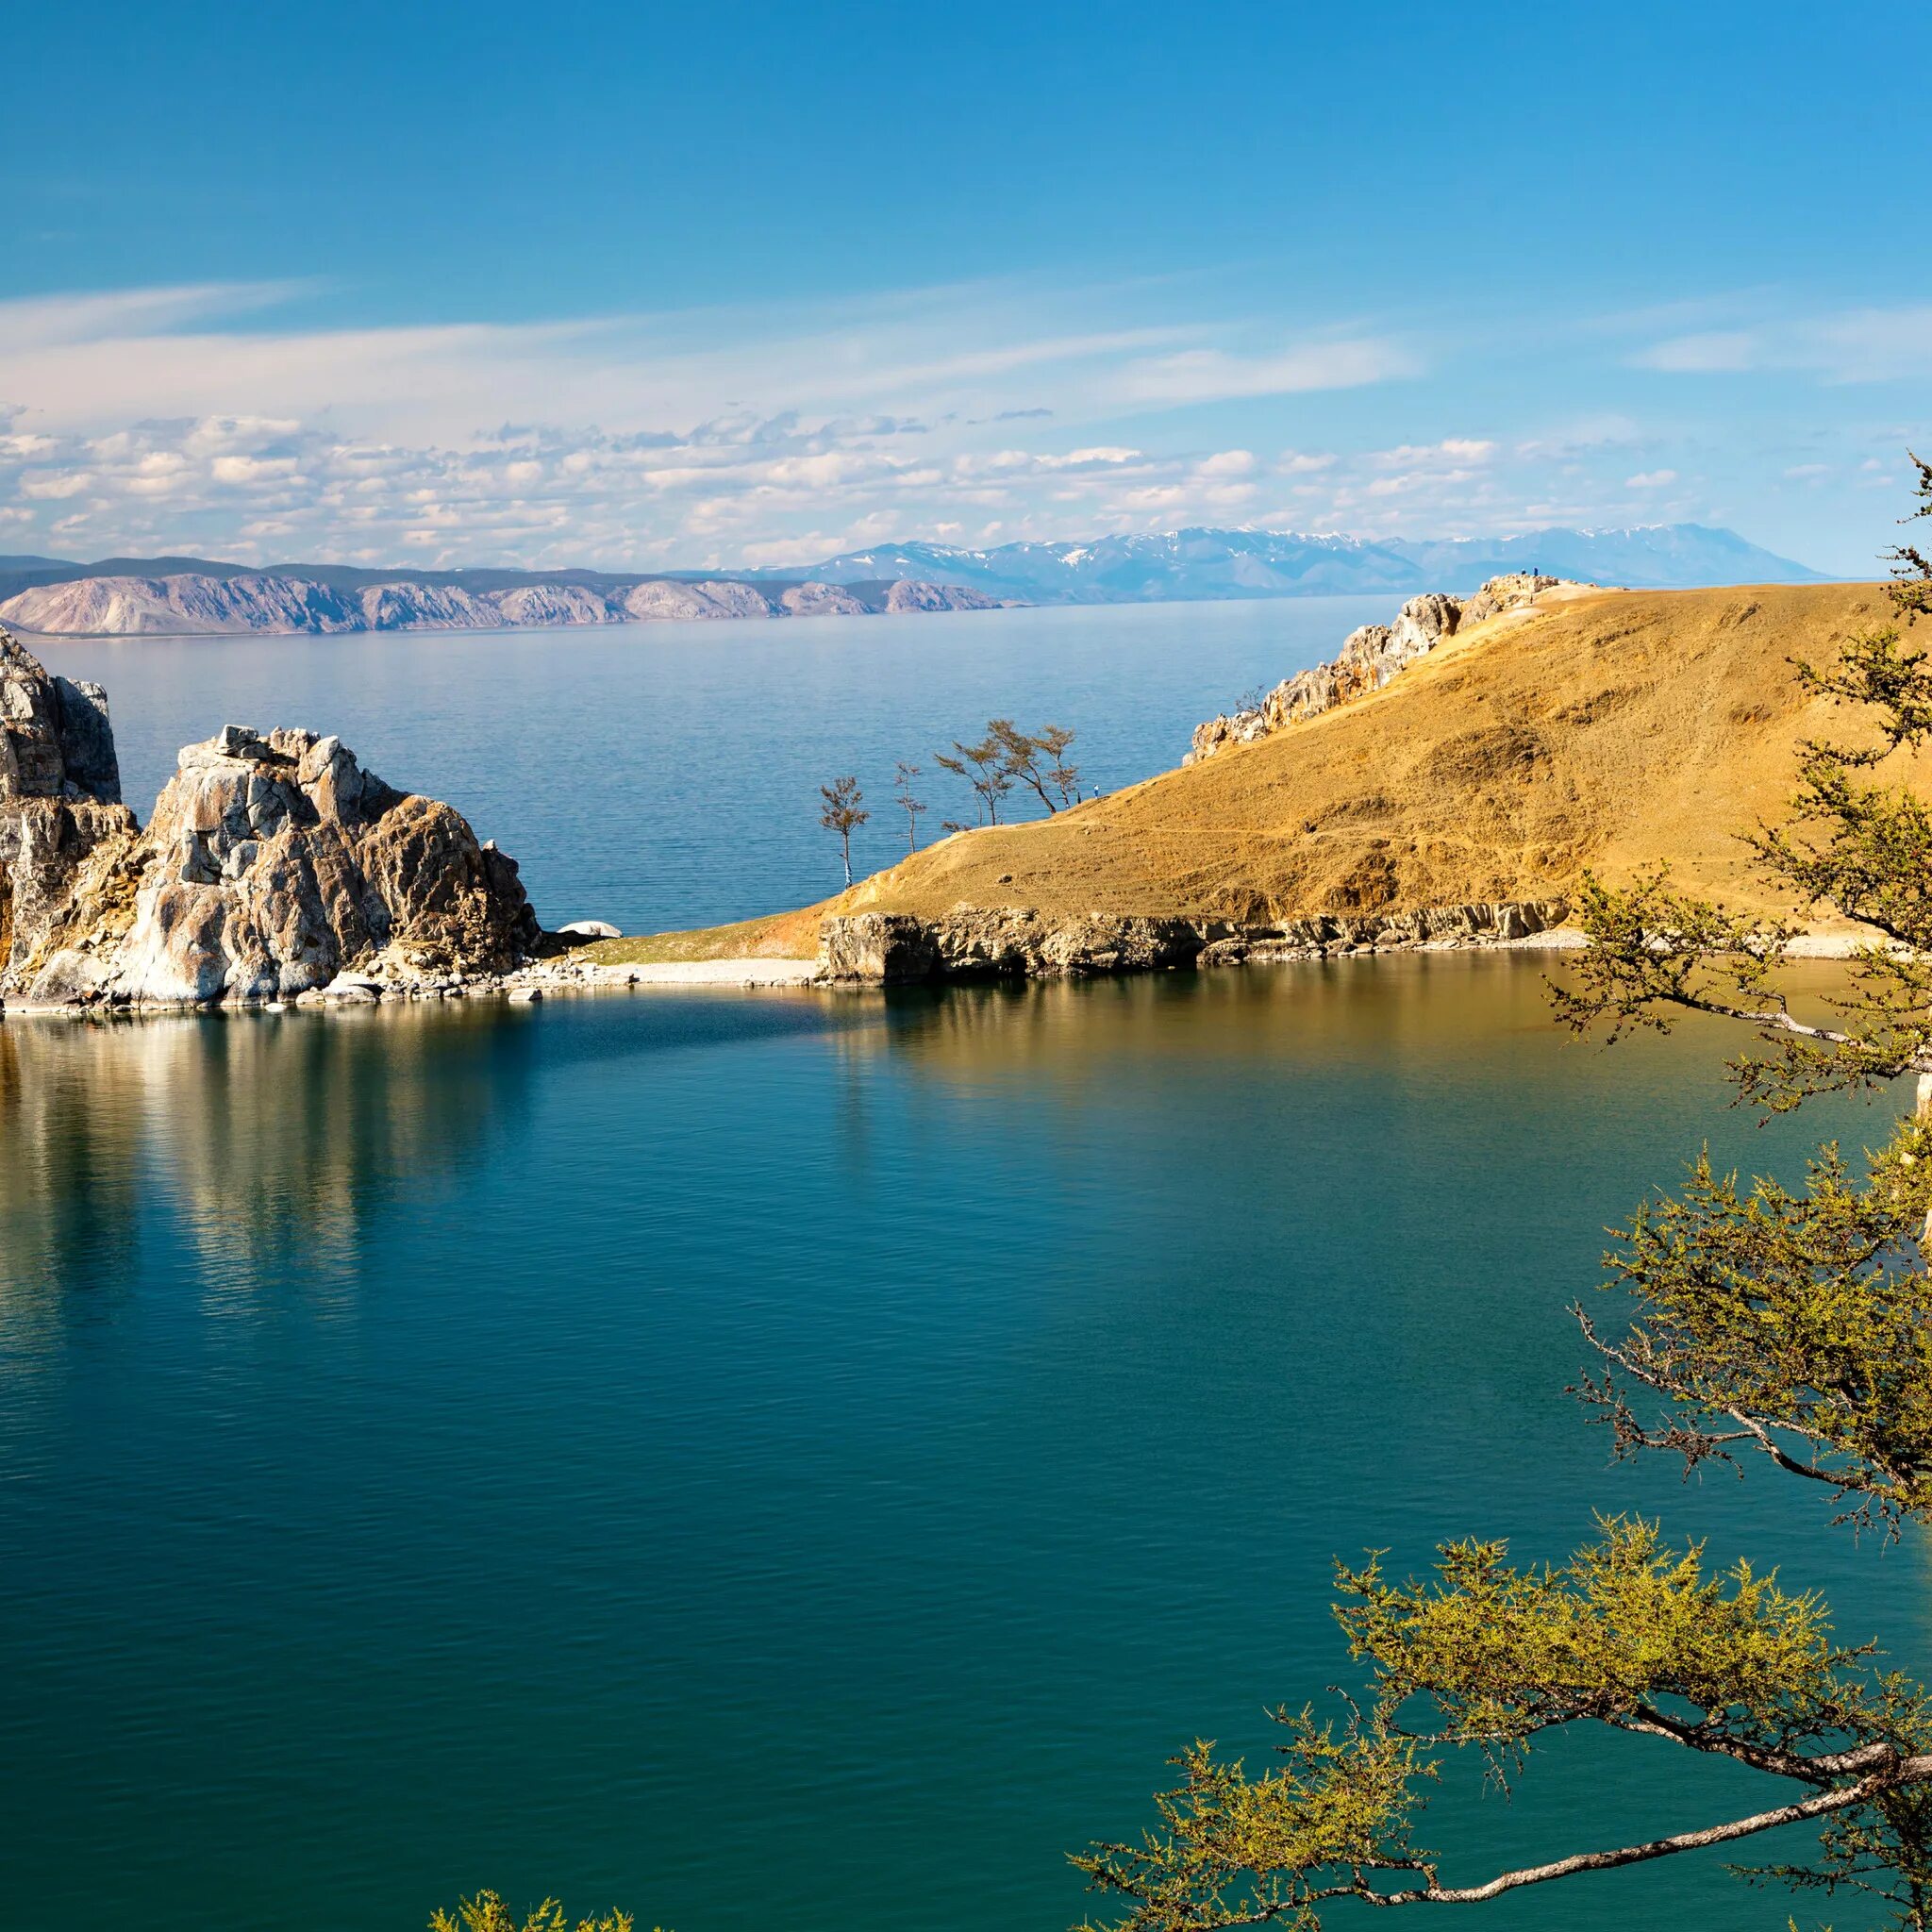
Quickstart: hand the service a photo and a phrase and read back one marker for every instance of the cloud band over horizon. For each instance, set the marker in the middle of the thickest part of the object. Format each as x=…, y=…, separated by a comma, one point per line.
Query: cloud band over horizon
x=175, y=419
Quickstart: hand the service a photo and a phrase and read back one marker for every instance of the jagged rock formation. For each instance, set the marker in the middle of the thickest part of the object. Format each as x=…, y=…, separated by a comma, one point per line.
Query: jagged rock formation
x=1369, y=657
x=275, y=864
x=897, y=949
x=59, y=794
x=272, y=602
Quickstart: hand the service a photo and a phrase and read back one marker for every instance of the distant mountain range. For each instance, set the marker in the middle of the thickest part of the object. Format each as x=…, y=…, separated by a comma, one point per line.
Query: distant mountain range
x=151, y=595
x=132, y=597
x=1219, y=564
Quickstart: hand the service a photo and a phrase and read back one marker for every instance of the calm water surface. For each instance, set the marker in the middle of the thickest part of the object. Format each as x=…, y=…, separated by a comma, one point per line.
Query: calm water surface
x=789, y=1460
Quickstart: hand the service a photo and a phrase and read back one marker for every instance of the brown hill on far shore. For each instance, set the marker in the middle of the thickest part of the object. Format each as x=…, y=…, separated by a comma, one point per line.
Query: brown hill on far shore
x=1606, y=732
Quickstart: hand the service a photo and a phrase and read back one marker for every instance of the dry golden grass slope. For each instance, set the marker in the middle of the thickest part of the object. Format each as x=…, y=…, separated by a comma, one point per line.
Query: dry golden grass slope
x=1607, y=731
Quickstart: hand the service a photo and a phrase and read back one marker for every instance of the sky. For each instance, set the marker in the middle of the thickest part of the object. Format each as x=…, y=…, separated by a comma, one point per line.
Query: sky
x=645, y=287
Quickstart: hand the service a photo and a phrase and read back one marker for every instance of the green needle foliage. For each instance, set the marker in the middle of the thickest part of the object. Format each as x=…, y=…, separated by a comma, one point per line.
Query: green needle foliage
x=487, y=1912
x=1791, y=1324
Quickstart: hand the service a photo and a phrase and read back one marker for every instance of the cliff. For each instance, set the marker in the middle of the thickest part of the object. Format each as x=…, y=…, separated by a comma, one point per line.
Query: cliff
x=60, y=796
x=278, y=603
x=275, y=867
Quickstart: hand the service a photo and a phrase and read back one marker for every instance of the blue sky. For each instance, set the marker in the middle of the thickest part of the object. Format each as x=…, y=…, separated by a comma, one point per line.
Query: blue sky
x=645, y=286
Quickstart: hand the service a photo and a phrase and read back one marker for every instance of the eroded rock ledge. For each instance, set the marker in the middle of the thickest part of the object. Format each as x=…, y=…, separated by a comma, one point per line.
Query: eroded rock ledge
x=897, y=949
x=274, y=868
x=1369, y=656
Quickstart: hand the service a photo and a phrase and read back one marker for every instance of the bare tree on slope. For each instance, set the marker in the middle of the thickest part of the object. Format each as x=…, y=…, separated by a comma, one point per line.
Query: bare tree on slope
x=840, y=813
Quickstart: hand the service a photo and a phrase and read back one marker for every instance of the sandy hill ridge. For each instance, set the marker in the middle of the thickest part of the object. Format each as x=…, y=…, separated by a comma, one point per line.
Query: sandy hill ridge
x=1606, y=731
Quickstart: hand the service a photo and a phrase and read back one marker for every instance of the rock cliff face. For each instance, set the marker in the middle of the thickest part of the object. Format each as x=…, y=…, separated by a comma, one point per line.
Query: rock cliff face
x=60, y=796
x=1369, y=657
x=275, y=864
x=897, y=949
x=273, y=603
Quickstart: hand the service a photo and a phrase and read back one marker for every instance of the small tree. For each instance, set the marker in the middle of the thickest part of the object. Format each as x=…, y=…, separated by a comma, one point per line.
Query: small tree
x=1020, y=756
x=911, y=807
x=841, y=814
x=1054, y=741
x=984, y=767
x=1795, y=1325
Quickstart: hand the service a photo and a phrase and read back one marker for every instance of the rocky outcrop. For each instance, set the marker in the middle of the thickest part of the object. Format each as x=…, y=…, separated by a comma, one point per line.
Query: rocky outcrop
x=60, y=796
x=275, y=867
x=821, y=600
x=911, y=595
x=1368, y=658
x=276, y=602
x=897, y=949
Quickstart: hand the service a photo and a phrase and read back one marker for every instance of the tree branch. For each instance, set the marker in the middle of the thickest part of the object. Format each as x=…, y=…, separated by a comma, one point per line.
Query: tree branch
x=1904, y=1770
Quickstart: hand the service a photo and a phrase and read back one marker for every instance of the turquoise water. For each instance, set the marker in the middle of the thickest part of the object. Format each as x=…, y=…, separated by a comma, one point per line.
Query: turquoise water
x=795, y=1461
x=786, y=1460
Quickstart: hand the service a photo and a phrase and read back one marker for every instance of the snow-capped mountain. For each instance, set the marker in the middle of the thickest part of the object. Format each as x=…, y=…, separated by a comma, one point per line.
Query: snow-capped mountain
x=1205, y=563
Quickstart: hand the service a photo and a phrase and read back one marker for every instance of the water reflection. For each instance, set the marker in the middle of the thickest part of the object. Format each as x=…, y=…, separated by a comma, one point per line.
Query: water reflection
x=250, y=1149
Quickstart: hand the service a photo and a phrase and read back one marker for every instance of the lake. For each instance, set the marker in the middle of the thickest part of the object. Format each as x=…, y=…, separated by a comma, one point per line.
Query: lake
x=790, y=1459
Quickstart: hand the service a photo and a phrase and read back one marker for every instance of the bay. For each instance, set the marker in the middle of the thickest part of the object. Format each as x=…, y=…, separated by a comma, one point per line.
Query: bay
x=790, y=1459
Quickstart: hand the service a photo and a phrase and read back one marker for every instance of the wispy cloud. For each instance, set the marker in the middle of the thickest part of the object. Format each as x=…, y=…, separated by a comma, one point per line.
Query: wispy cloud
x=52, y=321
x=1200, y=375
x=1846, y=347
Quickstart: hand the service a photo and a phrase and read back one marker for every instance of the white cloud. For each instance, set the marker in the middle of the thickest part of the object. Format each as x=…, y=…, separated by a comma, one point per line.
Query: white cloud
x=1452, y=451
x=46, y=486
x=1650, y=479
x=252, y=469
x=1227, y=463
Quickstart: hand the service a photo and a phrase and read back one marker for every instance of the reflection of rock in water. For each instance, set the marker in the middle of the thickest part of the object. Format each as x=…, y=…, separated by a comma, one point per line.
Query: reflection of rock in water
x=1066, y=1038
x=70, y=1131
x=258, y=1147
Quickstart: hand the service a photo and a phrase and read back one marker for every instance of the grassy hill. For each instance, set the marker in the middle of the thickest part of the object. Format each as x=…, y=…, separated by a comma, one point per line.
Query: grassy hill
x=1607, y=731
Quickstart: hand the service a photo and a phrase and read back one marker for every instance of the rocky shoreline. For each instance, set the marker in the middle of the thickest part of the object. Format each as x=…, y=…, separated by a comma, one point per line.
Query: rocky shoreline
x=896, y=949
x=278, y=873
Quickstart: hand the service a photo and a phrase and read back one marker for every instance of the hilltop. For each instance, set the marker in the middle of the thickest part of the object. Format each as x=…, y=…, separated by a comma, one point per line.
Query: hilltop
x=1606, y=730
